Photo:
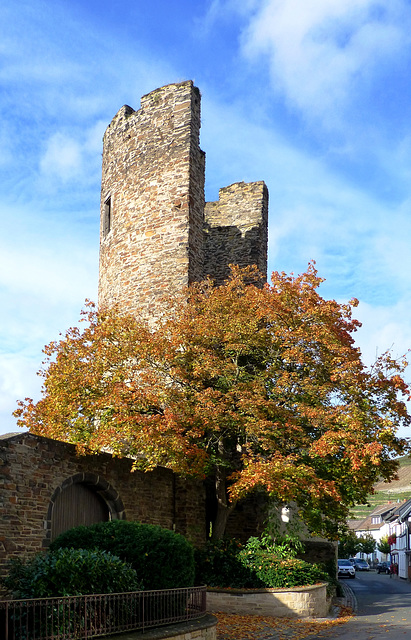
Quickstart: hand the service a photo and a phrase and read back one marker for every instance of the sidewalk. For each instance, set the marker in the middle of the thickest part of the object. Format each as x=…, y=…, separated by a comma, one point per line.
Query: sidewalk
x=251, y=627
x=347, y=600
x=231, y=627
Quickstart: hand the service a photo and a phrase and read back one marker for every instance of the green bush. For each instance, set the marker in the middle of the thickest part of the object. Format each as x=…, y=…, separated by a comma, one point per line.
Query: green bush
x=163, y=559
x=274, y=569
x=330, y=569
x=218, y=565
x=70, y=572
x=281, y=573
x=256, y=564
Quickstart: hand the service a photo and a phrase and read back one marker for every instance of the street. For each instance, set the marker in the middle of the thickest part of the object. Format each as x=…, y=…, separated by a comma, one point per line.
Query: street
x=384, y=608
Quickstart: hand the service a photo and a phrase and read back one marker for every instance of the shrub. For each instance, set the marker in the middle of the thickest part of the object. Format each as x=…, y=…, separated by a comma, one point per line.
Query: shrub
x=280, y=573
x=275, y=569
x=256, y=564
x=163, y=559
x=282, y=546
x=218, y=565
x=69, y=572
x=330, y=569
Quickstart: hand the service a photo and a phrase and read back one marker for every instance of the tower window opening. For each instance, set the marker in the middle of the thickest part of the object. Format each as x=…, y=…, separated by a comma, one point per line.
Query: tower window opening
x=107, y=217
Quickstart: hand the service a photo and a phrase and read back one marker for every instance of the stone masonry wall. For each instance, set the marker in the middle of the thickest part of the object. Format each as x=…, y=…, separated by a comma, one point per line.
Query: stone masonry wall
x=34, y=469
x=236, y=229
x=295, y=602
x=153, y=186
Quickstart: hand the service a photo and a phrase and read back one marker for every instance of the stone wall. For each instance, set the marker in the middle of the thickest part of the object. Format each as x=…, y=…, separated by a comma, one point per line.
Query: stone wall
x=319, y=550
x=34, y=470
x=296, y=602
x=202, y=629
x=249, y=517
x=236, y=229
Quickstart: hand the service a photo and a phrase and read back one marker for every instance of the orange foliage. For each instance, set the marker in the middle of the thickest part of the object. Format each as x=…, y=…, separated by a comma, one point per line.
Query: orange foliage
x=260, y=385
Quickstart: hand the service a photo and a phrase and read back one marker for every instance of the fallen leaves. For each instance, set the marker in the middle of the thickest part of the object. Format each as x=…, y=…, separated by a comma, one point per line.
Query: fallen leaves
x=250, y=627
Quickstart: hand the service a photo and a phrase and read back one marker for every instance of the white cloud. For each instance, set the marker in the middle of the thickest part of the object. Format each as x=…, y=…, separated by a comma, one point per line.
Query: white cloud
x=218, y=8
x=17, y=381
x=94, y=138
x=320, y=52
x=62, y=157
x=68, y=158
x=51, y=272
x=48, y=266
x=40, y=297
x=384, y=328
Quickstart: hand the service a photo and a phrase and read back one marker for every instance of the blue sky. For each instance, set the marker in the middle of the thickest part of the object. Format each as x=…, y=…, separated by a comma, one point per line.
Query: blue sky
x=312, y=96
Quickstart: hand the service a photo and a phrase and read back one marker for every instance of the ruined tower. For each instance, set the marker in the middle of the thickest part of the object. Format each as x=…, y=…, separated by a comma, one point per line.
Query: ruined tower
x=156, y=232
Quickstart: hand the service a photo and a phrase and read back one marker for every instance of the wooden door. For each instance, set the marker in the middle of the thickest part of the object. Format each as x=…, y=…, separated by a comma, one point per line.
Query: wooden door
x=75, y=505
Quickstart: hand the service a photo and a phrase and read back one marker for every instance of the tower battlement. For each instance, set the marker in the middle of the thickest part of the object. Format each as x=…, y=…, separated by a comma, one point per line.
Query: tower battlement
x=236, y=229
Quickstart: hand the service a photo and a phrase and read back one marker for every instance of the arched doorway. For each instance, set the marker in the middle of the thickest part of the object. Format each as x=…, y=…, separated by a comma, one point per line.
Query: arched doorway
x=83, y=499
x=75, y=505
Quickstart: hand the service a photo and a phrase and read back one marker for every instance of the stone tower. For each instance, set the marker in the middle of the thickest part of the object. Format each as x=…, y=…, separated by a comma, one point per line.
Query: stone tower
x=156, y=232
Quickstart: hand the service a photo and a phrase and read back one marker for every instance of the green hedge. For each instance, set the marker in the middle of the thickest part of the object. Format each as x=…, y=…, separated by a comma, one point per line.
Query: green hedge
x=162, y=559
x=70, y=572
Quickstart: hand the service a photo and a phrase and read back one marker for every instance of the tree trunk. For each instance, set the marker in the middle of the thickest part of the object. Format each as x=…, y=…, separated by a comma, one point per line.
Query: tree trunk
x=223, y=507
x=220, y=522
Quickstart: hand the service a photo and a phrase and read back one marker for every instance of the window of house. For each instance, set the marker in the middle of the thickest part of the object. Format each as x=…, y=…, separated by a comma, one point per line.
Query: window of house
x=375, y=519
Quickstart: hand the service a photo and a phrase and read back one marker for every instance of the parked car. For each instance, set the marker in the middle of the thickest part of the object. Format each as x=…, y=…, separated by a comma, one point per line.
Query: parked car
x=359, y=564
x=345, y=569
x=383, y=567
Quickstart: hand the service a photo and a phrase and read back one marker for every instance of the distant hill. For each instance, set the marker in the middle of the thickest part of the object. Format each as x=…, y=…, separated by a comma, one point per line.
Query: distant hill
x=395, y=491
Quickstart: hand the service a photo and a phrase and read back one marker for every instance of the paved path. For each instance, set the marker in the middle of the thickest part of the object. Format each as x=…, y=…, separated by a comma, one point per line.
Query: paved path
x=382, y=609
x=381, y=606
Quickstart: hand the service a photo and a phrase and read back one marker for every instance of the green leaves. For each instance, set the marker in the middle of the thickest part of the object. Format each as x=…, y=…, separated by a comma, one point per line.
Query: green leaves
x=70, y=572
x=259, y=563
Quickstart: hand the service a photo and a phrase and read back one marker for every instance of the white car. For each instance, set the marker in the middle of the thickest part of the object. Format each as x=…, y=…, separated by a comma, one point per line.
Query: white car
x=345, y=569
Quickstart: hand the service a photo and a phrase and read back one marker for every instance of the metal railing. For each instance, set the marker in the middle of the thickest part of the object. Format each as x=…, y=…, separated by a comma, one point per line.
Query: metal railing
x=78, y=617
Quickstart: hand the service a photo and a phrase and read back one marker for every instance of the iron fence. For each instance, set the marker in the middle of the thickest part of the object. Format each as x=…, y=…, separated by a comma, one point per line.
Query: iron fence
x=78, y=617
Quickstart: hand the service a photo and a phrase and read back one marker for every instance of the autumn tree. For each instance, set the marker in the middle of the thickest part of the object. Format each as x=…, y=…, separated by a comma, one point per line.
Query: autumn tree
x=254, y=385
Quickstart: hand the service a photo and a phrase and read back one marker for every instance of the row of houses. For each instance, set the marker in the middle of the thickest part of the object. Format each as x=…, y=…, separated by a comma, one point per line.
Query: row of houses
x=391, y=520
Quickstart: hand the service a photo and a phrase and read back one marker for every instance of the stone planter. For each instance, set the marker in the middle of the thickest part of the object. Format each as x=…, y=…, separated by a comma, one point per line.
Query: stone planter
x=295, y=602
